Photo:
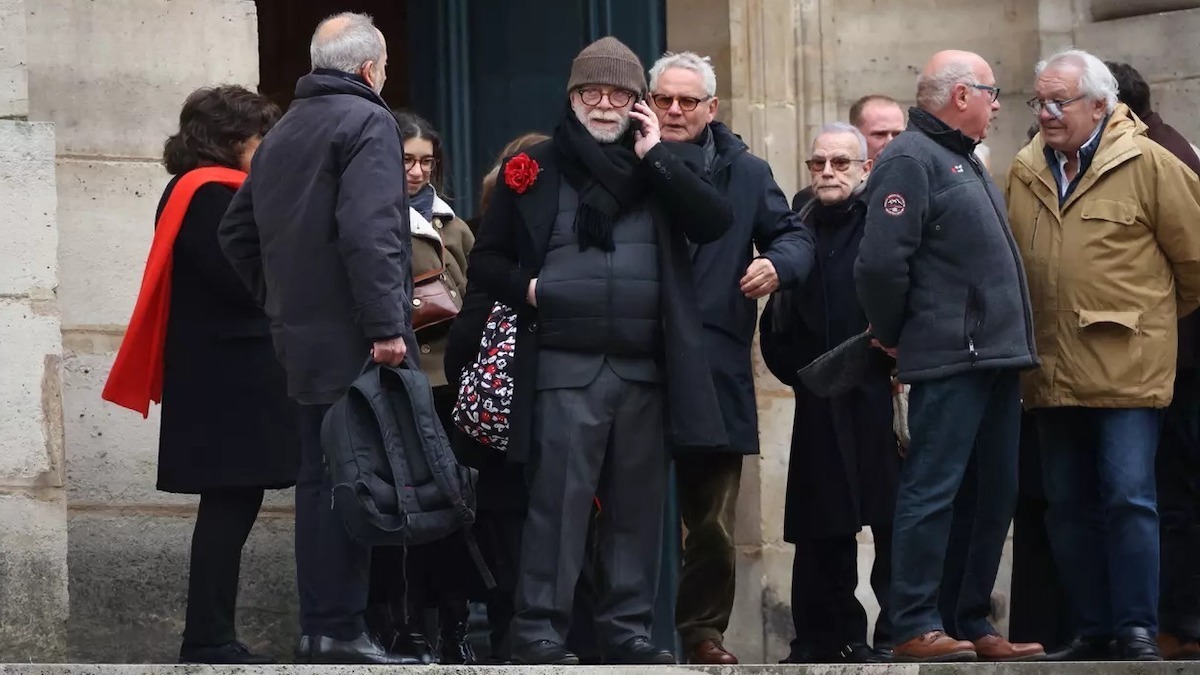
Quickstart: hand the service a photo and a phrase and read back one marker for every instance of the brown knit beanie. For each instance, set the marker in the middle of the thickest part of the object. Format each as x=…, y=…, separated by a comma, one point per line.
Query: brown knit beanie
x=608, y=61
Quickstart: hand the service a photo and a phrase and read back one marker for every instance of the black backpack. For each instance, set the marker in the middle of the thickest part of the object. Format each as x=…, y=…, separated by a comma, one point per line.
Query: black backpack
x=395, y=479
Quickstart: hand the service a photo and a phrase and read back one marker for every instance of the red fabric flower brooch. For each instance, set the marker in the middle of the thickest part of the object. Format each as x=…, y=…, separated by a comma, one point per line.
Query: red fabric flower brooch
x=520, y=173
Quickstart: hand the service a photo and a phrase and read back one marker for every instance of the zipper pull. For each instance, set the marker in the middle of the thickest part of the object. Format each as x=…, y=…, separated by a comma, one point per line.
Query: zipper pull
x=971, y=347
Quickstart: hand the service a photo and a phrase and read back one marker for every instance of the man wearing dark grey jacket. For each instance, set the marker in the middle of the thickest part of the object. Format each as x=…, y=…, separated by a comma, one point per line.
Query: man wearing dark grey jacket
x=320, y=236
x=940, y=279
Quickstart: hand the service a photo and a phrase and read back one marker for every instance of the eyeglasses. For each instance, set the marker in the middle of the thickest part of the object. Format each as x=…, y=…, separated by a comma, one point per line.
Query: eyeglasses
x=995, y=91
x=619, y=98
x=427, y=163
x=817, y=165
x=686, y=103
x=1055, y=108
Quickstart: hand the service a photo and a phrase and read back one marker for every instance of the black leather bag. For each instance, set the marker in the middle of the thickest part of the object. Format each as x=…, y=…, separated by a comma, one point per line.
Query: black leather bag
x=840, y=369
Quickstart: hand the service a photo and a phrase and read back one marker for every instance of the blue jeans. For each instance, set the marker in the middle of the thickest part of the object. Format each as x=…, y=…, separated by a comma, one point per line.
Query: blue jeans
x=969, y=419
x=1098, y=468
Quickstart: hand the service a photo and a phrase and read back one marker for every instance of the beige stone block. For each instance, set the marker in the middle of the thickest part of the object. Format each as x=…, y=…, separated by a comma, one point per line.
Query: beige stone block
x=129, y=586
x=14, y=75
x=1007, y=134
x=33, y=568
x=702, y=26
x=1178, y=102
x=745, y=634
x=28, y=258
x=1161, y=46
x=31, y=423
x=882, y=47
x=106, y=224
x=112, y=75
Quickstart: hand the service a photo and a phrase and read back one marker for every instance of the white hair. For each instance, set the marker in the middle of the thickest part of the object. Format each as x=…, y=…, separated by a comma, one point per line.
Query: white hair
x=934, y=90
x=1096, y=81
x=844, y=128
x=348, y=49
x=701, y=65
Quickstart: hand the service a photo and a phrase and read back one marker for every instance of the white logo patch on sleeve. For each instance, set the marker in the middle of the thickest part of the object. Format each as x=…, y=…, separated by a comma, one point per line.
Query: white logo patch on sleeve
x=894, y=204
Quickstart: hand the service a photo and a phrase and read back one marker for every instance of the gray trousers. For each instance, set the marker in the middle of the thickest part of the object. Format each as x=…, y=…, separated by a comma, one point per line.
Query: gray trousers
x=604, y=440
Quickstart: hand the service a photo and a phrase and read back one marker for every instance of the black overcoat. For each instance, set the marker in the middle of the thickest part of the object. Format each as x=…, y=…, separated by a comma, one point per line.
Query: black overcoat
x=844, y=465
x=226, y=418
x=762, y=221
x=511, y=248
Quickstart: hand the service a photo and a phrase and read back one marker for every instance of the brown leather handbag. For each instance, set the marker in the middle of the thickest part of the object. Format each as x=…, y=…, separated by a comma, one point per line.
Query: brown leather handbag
x=432, y=300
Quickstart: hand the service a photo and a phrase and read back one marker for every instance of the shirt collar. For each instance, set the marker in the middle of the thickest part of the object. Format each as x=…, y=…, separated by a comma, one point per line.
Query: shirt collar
x=1085, y=153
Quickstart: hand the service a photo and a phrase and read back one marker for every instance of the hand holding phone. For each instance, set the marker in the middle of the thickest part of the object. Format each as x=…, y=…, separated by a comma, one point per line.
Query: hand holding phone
x=646, y=133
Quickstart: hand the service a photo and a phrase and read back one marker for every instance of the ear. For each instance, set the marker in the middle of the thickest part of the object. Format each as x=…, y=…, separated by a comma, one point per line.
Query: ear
x=714, y=104
x=367, y=72
x=1100, y=109
x=962, y=95
x=867, y=166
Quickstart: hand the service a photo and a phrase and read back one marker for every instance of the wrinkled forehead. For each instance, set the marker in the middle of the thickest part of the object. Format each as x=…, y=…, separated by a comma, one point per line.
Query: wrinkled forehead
x=1060, y=81
x=837, y=144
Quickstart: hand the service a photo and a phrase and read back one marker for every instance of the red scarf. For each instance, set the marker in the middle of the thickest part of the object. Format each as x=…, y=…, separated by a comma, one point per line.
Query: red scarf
x=136, y=377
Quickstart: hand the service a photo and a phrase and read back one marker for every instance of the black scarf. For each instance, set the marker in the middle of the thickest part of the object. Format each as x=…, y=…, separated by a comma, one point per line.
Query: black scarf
x=604, y=175
x=423, y=202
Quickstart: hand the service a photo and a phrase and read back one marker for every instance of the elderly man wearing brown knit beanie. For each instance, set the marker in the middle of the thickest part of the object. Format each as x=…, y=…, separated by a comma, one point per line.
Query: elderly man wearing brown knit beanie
x=586, y=241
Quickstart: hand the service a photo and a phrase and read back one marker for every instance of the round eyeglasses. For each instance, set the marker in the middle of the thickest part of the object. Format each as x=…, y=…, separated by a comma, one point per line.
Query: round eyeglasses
x=1055, y=108
x=427, y=163
x=619, y=98
x=686, y=103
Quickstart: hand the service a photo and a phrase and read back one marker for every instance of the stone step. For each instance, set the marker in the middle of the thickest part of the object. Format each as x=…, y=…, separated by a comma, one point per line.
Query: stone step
x=1169, y=668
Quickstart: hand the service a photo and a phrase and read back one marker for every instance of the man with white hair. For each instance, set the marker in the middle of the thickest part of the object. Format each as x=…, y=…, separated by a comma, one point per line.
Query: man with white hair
x=1106, y=222
x=940, y=280
x=730, y=277
x=320, y=236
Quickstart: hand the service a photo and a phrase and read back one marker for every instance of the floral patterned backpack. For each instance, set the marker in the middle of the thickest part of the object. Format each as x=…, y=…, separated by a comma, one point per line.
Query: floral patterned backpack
x=485, y=393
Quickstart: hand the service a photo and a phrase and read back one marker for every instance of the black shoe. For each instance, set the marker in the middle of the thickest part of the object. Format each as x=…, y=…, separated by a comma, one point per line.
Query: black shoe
x=543, y=652
x=638, y=650
x=456, y=648
x=856, y=652
x=801, y=653
x=1137, y=644
x=364, y=649
x=228, y=653
x=881, y=655
x=1084, y=649
x=413, y=643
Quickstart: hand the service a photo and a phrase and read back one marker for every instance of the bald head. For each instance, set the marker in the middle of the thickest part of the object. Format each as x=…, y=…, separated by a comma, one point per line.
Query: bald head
x=350, y=43
x=960, y=89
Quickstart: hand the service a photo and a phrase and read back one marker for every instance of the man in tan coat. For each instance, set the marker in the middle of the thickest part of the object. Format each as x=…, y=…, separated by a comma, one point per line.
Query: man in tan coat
x=1106, y=222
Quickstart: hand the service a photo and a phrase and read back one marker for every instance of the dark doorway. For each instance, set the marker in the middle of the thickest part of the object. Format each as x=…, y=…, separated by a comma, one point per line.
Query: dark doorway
x=285, y=28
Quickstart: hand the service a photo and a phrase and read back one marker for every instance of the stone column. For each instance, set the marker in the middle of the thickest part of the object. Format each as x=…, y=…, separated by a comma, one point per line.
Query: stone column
x=33, y=517
x=112, y=76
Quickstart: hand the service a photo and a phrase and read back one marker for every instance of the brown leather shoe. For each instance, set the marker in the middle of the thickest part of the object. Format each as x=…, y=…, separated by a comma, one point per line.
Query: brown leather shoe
x=997, y=648
x=1175, y=650
x=934, y=646
x=711, y=652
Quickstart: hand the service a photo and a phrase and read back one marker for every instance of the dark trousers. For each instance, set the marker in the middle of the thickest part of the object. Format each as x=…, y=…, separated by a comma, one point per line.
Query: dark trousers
x=954, y=420
x=1098, y=468
x=223, y=522
x=605, y=440
x=825, y=612
x=707, y=485
x=1179, y=510
x=331, y=568
x=1038, y=606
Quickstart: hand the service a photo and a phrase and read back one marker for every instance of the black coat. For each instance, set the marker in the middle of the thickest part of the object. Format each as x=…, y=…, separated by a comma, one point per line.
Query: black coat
x=320, y=234
x=511, y=247
x=226, y=418
x=844, y=465
x=762, y=220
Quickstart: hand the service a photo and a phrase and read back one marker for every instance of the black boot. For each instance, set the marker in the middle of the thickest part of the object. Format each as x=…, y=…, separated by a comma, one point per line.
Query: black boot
x=410, y=640
x=456, y=649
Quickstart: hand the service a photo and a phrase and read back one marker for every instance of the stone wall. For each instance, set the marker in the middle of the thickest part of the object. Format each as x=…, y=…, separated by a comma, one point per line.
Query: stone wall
x=33, y=524
x=112, y=77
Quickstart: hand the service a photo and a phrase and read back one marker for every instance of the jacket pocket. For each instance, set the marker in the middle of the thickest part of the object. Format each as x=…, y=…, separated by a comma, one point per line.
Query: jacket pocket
x=973, y=317
x=1110, y=210
x=1128, y=320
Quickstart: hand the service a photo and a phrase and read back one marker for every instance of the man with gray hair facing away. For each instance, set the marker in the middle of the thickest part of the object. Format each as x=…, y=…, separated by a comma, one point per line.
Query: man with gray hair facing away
x=729, y=279
x=320, y=236
x=1106, y=219
x=940, y=280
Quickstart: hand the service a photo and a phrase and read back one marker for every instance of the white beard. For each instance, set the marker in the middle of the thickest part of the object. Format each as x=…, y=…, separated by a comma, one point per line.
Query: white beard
x=602, y=135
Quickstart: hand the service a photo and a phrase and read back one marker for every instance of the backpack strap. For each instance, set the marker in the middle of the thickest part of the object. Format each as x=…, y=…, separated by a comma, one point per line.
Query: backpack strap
x=485, y=574
x=433, y=436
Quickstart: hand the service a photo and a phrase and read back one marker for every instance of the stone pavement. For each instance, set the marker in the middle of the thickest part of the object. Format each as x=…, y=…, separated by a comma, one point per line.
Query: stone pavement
x=1172, y=668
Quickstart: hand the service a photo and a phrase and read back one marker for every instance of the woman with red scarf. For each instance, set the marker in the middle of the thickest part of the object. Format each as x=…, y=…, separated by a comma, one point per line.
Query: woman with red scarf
x=200, y=345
